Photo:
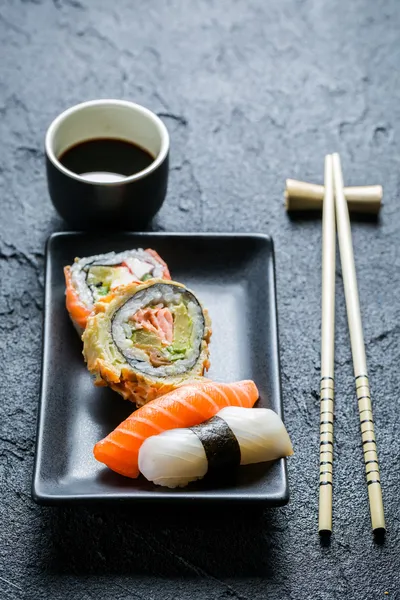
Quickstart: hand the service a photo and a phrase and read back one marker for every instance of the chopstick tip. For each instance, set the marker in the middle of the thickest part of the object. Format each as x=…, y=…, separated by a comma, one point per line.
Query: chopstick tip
x=379, y=535
x=325, y=536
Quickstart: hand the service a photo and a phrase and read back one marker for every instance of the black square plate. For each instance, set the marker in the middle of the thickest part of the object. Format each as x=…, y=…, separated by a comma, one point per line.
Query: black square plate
x=234, y=277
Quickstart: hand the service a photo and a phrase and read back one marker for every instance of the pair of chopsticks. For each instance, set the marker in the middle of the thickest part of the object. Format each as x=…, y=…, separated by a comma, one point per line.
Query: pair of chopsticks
x=334, y=198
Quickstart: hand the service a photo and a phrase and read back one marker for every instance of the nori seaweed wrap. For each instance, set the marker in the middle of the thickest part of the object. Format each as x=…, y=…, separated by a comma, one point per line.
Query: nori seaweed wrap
x=145, y=340
x=90, y=279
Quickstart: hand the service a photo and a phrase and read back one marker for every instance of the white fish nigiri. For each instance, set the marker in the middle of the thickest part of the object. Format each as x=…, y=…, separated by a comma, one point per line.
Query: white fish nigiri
x=177, y=457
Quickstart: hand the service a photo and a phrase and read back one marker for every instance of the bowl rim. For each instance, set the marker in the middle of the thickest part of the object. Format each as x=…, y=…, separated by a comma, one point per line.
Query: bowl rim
x=160, y=158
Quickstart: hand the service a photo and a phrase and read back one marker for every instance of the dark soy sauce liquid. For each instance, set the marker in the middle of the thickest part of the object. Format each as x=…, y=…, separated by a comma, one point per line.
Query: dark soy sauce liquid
x=105, y=160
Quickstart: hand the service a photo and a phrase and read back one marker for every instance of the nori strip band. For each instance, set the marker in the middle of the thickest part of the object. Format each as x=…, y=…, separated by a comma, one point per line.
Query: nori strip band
x=220, y=445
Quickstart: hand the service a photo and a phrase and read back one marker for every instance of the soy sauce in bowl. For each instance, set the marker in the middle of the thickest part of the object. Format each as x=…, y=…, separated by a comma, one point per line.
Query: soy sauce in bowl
x=105, y=159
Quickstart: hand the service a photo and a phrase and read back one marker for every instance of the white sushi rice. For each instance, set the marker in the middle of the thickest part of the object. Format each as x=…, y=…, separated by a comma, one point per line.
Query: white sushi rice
x=122, y=328
x=139, y=258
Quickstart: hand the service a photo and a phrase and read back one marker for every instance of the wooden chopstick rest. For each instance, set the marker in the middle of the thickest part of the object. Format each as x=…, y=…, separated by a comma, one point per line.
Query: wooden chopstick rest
x=300, y=195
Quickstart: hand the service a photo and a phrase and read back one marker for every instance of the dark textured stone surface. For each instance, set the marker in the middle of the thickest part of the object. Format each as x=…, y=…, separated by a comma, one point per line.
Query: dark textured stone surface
x=252, y=92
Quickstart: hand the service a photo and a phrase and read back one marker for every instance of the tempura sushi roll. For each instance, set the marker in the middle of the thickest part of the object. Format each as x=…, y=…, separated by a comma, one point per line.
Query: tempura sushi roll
x=90, y=279
x=144, y=340
x=234, y=436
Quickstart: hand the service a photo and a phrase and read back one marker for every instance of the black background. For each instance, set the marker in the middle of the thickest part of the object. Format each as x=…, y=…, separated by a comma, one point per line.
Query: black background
x=251, y=92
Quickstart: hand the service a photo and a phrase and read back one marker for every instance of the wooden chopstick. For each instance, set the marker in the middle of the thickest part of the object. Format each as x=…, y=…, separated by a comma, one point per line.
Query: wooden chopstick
x=327, y=353
x=358, y=351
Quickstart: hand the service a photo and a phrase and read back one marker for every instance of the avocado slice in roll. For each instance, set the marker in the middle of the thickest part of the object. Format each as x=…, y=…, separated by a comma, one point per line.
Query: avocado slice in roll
x=91, y=278
x=144, y=340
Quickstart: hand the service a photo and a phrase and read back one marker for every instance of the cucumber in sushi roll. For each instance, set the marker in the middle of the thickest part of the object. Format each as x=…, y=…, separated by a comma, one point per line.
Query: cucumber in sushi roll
x=90, y=279
x=145, y=340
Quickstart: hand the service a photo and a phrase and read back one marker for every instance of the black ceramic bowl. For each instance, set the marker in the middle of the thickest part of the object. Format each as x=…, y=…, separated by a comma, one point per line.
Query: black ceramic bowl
x=128, y=202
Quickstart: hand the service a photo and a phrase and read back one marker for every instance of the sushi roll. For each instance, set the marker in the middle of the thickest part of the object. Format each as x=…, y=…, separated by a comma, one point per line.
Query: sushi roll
x=186, y=406
x=235, y=436
x=90, y=279
x=144, y=340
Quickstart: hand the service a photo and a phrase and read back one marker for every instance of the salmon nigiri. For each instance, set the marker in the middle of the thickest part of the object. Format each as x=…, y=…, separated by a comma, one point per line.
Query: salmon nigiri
x=186, y=406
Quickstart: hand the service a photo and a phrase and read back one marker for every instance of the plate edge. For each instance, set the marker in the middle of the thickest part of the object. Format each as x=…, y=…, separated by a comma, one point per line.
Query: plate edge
x=43, y=498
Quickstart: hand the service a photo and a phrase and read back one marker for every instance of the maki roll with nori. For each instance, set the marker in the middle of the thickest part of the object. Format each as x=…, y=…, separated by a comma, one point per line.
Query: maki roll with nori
x=90, y=279
x=145, y=340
